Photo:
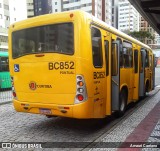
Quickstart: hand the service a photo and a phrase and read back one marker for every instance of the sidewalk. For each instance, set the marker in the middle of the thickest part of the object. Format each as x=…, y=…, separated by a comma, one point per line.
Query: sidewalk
x=140, y=131
x=5, y=97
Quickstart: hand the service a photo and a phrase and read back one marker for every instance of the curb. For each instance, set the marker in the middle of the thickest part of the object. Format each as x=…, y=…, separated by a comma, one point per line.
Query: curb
x=7, y=102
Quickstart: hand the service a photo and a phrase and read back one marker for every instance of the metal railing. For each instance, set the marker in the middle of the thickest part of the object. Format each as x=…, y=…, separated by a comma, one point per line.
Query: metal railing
x=5, y=89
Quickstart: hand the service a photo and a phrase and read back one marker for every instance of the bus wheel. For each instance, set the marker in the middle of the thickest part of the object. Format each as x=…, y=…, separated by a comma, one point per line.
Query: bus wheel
x=123, y=103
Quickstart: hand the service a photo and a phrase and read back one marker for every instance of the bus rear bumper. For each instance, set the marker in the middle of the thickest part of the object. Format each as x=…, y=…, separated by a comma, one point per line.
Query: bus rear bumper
x=80, y=111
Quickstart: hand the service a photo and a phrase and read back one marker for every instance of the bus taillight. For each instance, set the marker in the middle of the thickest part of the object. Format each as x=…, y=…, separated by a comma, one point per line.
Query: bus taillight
x=81, y=92
x=12, y=81
x=80, y=97
x=14, y=94
x=13, y=89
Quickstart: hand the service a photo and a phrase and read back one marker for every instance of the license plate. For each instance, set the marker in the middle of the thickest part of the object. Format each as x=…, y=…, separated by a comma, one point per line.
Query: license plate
x=45, y=111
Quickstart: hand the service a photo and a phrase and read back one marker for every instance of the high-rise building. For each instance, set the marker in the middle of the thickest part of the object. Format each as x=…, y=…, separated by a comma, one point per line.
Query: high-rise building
x=30, y=8
x=38, y=7
x=144, y=26
x=10, y=12
x=99, y=8
x=115, y=13
x=56, y=6
x=4, y=13
x=157, y=39
x=4, y=24
x=128, y=17
x=3, y=39
x=42, y=7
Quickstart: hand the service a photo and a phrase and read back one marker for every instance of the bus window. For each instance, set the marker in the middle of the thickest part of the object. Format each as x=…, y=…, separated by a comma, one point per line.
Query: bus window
x=127, y=55
x=106, y=43
x=114, y=60
x=121, y=52
x=56, y=38
x=147, y=59
x=135, y=61
x=150, y=62
x=4, y=64
x=97, y=47
x=141, y=63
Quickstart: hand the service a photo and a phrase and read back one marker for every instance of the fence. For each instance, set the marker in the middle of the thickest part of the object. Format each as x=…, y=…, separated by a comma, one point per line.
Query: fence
x=5, y=89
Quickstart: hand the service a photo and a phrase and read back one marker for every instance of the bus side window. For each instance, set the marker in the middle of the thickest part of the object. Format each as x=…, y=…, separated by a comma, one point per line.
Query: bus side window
x=121, y=52
x=135, y=61
x=150, y=62
x=147, y=59
x=97, y=47
x=114, y=59
x=141, y=63
x=127, y=55
x=106, y=44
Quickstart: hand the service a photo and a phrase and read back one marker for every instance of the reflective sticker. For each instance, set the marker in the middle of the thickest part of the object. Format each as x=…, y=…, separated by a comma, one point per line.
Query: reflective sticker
x=16, y=68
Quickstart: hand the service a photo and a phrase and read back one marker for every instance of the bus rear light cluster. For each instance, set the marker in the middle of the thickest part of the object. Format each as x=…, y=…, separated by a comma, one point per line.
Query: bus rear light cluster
x=13, y=89
x=81, y=92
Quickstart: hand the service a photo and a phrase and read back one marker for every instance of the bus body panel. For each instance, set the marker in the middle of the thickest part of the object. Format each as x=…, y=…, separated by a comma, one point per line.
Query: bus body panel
x=75, y=111
x=48, y=81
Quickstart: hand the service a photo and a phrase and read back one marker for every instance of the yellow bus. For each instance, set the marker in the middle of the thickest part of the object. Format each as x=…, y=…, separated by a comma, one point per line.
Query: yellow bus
x=71, y=64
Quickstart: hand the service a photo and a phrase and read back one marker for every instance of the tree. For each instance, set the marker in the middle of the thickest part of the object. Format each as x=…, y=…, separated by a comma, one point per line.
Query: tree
x=141, y=35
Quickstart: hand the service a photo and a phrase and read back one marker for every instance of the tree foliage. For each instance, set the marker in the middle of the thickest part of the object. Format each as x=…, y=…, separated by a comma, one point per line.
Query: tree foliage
x=141, y=35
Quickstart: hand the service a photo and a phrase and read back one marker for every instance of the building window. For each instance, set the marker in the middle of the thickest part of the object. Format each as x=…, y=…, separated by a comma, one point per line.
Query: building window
x=7, y=17
x=6, y=7
x=3, y=39
x=55, y=3
x=56, y=10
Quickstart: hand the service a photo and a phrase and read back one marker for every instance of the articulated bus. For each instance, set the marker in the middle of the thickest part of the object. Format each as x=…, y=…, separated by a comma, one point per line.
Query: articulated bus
x=73, y=65
x=5, y=80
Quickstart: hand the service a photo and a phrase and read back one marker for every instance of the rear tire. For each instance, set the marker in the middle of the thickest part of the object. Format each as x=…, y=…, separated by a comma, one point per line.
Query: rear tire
x=123, y=103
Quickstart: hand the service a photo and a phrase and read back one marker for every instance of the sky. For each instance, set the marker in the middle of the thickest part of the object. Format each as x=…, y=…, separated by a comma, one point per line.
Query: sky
x=21, y=10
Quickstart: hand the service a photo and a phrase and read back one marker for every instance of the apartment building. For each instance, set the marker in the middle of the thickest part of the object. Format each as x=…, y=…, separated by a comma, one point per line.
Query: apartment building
x=30, y=8
x=4, y=24
x=99, y=8
x=157, y=38
x=56, y=6
x=144, y=26
x=128, y=17
x=115, y=13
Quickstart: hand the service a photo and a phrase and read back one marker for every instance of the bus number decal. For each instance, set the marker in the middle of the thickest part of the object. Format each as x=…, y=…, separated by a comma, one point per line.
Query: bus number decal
x=61, y=65
x=72, y=65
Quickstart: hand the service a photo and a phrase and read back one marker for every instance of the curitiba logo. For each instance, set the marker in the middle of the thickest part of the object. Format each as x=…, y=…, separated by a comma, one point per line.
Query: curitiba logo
x=34, y=86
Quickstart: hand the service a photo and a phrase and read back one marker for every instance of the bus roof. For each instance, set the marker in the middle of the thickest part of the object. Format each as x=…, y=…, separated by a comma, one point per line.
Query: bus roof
x=3, y=54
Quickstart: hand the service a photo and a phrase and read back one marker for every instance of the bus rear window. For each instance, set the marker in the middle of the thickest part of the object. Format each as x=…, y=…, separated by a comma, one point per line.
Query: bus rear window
x=57, y=38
